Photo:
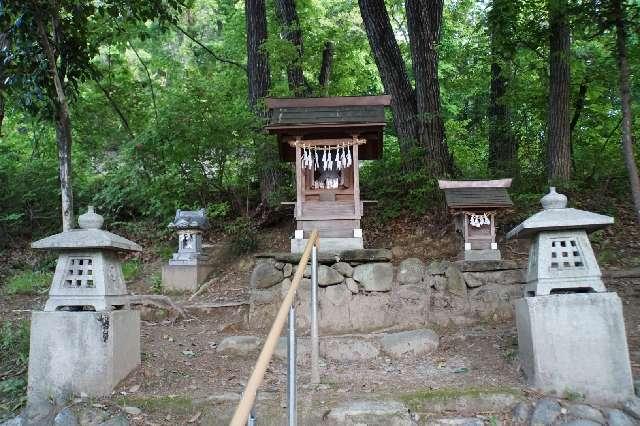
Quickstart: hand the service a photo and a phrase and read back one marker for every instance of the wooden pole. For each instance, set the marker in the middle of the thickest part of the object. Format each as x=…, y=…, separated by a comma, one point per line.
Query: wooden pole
x=248, y=397
x=356, y=182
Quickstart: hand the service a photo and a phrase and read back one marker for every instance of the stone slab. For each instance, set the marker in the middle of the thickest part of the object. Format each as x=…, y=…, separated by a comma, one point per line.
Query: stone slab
x=487, y=254
x=575, y=343
x=325, y=256
x=81, y=352
x=485, y=265
x=184, y=277
x=329, y=244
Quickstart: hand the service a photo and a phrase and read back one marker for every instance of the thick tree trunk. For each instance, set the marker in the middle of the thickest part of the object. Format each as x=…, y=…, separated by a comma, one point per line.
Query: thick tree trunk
x=258, y=74
x=290, y=23
x=257, y=61
x=393, y=75
x=325, y=68
x=503, y=145
x=63, y=132
x=424, y=19
x=625, y=95
x=558, y=144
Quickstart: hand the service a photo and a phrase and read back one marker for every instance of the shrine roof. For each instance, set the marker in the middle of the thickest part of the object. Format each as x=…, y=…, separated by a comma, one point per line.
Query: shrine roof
x=476, y=194
x=328, y=118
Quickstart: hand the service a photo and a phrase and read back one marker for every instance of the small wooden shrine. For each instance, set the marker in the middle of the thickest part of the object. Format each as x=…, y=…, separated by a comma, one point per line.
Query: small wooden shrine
x=327, y=138
x=474, y=205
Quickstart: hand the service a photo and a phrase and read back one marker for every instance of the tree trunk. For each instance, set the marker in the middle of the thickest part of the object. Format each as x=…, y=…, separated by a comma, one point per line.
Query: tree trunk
x=503, y=144
x=259, y=81
x=325, y=68
x=558, y=144
x=63, y=131
x=4, y=47
x=393, y=75
x=625, y=95
x=257, y=61
x=424, y=19
x=288, y=17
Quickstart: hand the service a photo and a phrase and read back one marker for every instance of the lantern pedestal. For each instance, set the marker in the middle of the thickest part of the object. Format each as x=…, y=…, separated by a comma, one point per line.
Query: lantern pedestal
x=183, y=277
x=88, y=352
x=575, y=343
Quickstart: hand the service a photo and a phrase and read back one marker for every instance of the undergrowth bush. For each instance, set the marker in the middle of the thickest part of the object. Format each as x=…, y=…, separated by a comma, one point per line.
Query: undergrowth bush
x=14, y=345
x=243, y=235
x=28, y=282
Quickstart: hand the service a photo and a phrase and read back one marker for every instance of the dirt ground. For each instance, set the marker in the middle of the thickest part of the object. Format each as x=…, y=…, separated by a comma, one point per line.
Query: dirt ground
x=184, y=379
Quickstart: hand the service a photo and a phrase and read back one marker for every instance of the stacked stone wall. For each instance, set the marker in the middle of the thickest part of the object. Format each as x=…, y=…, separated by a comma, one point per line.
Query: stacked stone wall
x=364, y=291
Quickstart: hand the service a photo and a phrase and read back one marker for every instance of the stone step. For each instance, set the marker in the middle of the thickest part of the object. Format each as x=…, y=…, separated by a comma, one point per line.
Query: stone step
x=349, y=347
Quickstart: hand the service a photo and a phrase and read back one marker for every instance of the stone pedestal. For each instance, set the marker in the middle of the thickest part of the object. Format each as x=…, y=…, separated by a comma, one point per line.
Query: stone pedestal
x=74, y=352
x=478, y=255
x=575, y=343
x=329, y=244
x=184, y=277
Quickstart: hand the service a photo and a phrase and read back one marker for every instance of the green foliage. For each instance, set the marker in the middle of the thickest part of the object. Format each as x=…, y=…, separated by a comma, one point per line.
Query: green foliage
x=14, y=346
x=131, y=269
x=28, y=282
x=156, y=283
x=195, y=144
x=243, y=235
x=396, y=190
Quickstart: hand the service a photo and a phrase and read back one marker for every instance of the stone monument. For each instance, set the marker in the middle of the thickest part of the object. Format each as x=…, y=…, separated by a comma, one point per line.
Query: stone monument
x=189, y=267
x=571, y=333
x=87, y=339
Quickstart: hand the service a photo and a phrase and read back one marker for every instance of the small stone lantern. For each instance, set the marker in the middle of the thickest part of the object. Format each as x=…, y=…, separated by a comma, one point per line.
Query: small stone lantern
x=87, y=339
x=571, y=332
x=189, y=225
x=560, y=256
x=189, y=267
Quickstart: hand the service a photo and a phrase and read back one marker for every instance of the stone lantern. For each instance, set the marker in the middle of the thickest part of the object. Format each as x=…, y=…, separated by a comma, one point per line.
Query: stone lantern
x=87, y=339
x=189, y=266
x=560, y=256
x=571, y=333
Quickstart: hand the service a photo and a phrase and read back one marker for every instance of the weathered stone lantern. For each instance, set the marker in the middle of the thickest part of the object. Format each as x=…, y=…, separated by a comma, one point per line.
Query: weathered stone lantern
x=88, y=272
x=87, y=339
x=560, y=256
x=571, y=333
x=189, y=267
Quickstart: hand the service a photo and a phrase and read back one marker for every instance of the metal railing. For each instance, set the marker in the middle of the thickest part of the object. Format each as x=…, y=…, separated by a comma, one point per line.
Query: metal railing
x=245, y=414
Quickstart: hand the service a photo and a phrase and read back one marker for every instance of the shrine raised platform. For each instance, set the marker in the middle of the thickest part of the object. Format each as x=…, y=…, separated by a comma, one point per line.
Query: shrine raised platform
x=368, y=290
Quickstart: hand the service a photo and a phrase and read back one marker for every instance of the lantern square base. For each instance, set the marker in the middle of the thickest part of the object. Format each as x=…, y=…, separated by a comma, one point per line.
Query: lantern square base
x=81, y=352
x=184, y=277
x=487, y=254
x=575, y=343
x=329, y=244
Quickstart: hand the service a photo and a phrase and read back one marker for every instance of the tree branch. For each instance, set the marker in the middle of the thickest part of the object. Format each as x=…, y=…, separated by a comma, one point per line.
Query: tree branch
x=114, y=105
x=209, y=51
x=153, y=93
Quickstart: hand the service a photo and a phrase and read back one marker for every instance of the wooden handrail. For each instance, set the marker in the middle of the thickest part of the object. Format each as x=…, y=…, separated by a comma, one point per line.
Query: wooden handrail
x=248, y=397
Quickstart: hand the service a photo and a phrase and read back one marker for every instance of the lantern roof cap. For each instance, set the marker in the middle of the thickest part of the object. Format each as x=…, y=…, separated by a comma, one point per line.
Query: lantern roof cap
x=188, y=219
x=89, y=236
x=555, y=216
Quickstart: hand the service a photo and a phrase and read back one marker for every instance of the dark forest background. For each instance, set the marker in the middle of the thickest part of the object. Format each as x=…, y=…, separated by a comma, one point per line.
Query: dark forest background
x=142, y=107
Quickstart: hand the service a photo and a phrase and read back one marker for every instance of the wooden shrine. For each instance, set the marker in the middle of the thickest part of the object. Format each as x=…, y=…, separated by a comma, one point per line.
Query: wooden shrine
x=474, y=205
x=327, y=138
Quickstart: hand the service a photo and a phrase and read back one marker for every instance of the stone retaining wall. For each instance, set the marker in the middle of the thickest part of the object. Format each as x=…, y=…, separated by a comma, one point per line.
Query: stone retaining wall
x=362, y=291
